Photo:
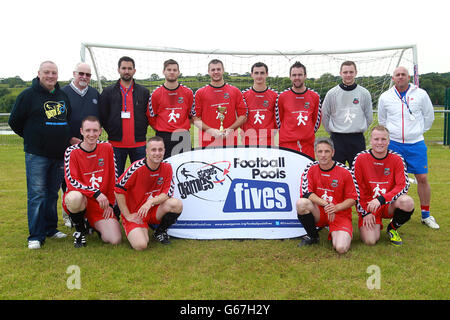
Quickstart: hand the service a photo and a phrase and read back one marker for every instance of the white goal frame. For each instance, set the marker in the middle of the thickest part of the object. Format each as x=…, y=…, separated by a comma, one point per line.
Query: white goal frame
x=86, y=48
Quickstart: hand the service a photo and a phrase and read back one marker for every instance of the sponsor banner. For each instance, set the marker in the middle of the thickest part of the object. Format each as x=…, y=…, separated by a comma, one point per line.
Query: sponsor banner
x=238, y=193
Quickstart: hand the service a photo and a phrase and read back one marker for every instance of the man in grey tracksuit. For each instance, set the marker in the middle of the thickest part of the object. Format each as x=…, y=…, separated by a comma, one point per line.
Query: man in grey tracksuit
x=346, y=115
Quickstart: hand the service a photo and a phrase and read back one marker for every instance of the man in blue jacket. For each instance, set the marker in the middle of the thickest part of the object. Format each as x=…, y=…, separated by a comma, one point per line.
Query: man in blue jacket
x=40, y=116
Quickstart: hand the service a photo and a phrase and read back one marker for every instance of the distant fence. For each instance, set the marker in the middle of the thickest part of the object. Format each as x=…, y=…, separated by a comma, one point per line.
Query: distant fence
x=8, y=137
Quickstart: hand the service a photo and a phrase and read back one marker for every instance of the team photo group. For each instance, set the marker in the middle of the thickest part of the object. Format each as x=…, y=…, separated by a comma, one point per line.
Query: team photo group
x=61, y=129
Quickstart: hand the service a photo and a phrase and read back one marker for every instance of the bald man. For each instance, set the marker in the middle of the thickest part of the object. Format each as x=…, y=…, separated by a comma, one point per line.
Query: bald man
x=40, y=116
x=407, y=112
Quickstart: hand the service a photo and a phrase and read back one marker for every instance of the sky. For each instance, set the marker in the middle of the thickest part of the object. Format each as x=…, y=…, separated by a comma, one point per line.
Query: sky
x=35, y=31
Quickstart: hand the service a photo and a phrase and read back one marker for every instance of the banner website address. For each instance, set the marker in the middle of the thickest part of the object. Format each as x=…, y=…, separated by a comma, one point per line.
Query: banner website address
x=225, y=224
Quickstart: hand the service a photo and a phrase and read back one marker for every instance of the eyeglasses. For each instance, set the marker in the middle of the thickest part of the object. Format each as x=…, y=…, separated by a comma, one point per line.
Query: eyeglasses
x=84, y=74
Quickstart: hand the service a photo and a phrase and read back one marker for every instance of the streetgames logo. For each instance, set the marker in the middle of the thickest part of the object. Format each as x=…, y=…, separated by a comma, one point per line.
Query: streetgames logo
x=206, y=181
x=55, y=110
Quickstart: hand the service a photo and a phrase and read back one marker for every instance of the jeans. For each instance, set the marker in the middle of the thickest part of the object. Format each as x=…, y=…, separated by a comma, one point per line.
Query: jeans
x=44, y=177
x=120, y=155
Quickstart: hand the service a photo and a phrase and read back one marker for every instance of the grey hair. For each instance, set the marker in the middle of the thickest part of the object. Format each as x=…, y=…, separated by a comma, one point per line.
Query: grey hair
x=323, y=140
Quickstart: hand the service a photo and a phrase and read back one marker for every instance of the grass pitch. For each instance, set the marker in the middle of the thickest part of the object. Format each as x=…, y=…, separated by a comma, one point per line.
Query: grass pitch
x=225, y=269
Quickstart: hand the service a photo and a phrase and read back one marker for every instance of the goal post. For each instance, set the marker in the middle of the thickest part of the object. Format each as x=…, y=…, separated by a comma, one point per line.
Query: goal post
x=374, y=65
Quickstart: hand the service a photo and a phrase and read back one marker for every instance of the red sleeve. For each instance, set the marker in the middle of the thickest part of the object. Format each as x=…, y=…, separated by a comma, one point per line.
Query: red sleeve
x=361, y=186
x=401, y=182
x=190, y=103
x=241, y=106
x=152, y=110
x=350, y=189
x=279, y=110
x=167, y=187
x=72, y=174
x=126, y=180
x=197, y=106
x=307, y=185
x=317, y=113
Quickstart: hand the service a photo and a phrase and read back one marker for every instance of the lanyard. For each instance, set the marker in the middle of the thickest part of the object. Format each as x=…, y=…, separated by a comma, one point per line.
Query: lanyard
x=125, y=94
x=403, y=99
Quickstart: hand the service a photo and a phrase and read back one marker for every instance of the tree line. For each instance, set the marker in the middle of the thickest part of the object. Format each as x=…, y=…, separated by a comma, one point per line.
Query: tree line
x=434, y=83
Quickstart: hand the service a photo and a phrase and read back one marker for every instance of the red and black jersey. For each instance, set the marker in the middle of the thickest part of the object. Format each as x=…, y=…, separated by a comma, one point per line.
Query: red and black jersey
x=384, y=179
x=139, y=182
x=208, y=98
x=298, y=115
x=334, y=185
x=91, y=172
x=261, y=109
x=170, y=108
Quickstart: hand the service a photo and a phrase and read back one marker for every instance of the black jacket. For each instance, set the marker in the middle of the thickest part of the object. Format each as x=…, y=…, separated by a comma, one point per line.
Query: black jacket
x=110, y=108
x=41, y=118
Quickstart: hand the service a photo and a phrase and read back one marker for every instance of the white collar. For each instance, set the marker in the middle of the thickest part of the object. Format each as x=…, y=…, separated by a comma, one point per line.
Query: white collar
x=80, y=92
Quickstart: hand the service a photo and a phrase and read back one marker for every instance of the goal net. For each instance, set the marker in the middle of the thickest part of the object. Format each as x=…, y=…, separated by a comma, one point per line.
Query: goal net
x=375, y=66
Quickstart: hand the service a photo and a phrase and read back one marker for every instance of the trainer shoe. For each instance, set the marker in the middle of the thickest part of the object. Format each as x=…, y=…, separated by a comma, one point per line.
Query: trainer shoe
x=68, y=223
x=58, y=235
x=34, y=244
x=394, y=237
x=430, y=222
x=79, y=240
x=161, y=237
x=307, y=241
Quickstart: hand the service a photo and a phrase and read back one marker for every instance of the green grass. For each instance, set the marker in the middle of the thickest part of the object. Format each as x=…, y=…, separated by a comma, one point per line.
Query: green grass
x=225, y=269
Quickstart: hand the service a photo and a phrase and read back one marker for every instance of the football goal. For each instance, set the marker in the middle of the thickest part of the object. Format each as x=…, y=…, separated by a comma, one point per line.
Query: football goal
x=375, y=65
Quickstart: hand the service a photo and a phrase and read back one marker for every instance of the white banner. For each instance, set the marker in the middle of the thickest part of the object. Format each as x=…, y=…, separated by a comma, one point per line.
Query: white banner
x=238, y=193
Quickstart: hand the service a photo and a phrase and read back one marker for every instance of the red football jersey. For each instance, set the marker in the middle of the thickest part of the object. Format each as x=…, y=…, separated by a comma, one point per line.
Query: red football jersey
x=261, y=112
x=334, y=185
x=386, y=178
x=170, y=108
x=298, y=115
x=139, y=182
x=91, y=172
x=208, y=98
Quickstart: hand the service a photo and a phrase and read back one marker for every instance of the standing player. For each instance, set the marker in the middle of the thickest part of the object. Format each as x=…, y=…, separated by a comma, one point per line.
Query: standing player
x=143, y=194
x=298, y=113
x=259, y=129
x=346, y=115
x=205, y=112
x=170, y=106
x=326, y=198
x=407, y=112
x=90, y=175
x=382, y=184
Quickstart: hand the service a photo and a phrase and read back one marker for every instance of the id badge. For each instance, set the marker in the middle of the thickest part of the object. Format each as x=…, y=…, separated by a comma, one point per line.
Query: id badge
x=125, y=115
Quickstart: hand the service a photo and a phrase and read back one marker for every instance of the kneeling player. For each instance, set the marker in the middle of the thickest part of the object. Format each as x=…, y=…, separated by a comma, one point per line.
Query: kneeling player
x=382, y=183
x=326, y=197
x=90, y=177
x=143, y=194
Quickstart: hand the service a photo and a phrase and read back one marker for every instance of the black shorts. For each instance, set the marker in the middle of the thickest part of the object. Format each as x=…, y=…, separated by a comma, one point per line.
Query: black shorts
x=180, y=139
x=347, y=146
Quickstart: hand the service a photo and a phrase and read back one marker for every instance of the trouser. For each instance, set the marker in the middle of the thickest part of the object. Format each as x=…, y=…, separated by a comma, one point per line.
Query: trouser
x=44, y=176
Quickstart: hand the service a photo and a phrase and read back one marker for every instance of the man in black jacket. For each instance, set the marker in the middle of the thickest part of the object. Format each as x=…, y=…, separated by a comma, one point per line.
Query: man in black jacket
x=124, y=114
x=40, y=115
